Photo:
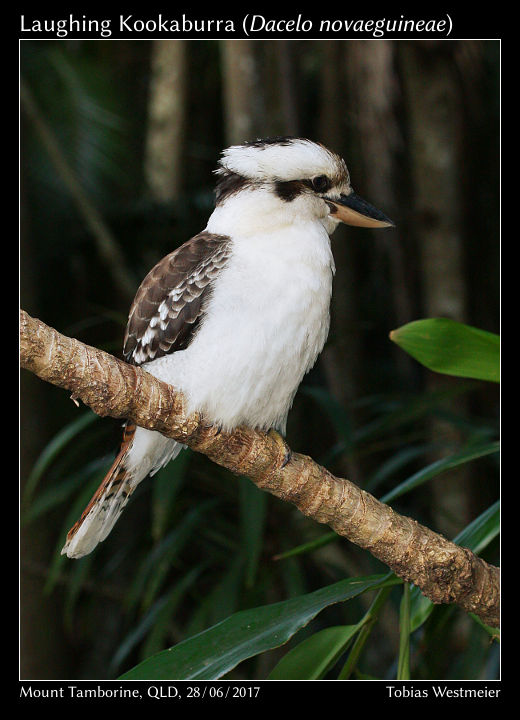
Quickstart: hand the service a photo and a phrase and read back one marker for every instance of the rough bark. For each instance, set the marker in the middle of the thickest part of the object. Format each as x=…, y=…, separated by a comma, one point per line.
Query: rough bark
x=445, y=573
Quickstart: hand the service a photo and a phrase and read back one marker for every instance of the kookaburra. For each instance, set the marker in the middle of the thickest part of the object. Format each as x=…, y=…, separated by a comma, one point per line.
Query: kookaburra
x=236, y=316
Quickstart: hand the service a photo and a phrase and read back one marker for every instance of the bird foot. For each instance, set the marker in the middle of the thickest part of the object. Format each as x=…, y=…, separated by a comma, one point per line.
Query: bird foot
x=287, y=452
x=216, y=426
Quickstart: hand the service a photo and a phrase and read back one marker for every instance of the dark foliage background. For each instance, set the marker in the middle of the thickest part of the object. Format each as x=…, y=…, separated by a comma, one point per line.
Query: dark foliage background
x=118, y=144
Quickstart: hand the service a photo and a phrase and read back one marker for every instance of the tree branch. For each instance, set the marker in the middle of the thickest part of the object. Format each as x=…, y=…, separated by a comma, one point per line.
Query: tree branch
x=444, y=572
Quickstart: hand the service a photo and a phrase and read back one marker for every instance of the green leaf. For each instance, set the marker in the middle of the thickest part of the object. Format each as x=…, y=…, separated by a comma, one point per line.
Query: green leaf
x=481, y=531
x=312, y=658
x=224, y=598
x=60, y=492
x=403, y=664
x=315, y=656
x=310, y=546
x=152, y=572
x=52, y=449
x=58, y=560
x=366, y=624
x=394, y=464
x=155, y=621
x=155, y=640
x=450, y=347
x=214, y=652
x=252, y=516
x=493, y=632
x=440, y=466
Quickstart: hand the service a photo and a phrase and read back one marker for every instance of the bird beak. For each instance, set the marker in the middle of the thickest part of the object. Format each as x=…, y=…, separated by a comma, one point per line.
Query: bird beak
x=353, y=210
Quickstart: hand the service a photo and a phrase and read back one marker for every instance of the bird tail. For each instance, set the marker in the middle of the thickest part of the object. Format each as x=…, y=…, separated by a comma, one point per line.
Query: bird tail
x=142, y=452
x=106, y=505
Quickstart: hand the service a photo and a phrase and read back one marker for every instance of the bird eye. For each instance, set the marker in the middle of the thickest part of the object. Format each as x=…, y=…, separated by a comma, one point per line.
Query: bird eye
x=321, y=183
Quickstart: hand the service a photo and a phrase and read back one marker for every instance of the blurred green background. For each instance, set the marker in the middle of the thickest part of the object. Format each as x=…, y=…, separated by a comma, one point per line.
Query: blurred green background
x=118, y=144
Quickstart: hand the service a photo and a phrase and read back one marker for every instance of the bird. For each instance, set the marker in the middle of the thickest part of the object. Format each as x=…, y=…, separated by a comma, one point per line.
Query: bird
x=236, y=316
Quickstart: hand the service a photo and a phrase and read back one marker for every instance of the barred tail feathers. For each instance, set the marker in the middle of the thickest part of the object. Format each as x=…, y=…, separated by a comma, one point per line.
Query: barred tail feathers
x=142, y=452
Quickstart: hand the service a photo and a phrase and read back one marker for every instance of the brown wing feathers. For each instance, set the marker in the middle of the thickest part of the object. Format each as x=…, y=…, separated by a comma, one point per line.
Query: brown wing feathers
x=169, y=303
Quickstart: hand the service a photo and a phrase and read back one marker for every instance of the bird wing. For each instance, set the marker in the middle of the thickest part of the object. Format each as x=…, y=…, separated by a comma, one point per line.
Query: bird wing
x=170, y=301
x=164, y=315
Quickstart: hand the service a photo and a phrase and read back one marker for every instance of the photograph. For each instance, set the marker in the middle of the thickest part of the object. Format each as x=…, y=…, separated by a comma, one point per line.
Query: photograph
x=259, y=289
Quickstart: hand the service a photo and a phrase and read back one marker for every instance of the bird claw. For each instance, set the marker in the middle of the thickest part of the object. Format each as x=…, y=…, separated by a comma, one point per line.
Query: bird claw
x=217, y=426
x=286, y=449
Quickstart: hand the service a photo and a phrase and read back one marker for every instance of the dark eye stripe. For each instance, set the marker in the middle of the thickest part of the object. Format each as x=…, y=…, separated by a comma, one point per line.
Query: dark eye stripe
x=287, y=190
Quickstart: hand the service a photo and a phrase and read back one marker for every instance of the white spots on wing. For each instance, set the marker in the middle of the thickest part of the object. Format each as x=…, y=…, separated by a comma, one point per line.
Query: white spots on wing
x=148, y=336
x=170, y=317
x=175, y=294
x=143, y=355
x=163, y=310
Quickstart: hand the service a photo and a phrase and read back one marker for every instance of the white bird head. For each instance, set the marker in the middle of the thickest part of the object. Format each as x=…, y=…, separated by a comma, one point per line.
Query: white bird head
x=299, y=179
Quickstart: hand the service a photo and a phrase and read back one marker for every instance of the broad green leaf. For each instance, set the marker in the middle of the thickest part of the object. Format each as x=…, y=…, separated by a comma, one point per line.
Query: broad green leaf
x=214, y=652
x=314, y=656
x=452, y=348
x=476, y=536
x=365, y=628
